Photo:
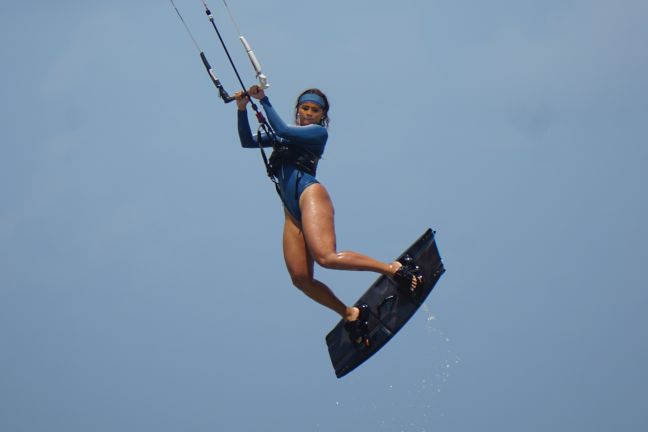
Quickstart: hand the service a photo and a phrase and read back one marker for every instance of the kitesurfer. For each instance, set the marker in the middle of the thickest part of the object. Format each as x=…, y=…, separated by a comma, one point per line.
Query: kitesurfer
x=309, y=232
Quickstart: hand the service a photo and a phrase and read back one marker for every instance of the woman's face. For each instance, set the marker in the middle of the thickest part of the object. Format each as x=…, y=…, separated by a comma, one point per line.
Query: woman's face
x=309, y=113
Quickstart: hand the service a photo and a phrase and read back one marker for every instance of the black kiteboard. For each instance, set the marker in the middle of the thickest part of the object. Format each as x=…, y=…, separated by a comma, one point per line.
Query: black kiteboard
x=389, y=307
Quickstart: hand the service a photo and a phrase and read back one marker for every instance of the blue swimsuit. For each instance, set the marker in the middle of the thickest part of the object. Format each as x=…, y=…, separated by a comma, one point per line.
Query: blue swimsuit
x=311, y=139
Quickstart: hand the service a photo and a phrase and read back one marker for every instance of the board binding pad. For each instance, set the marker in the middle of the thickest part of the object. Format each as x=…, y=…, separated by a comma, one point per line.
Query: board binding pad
x=389, y=308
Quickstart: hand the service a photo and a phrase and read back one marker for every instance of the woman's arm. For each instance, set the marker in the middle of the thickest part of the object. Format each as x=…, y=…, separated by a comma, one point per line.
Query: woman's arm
x=306, y=134
x=312, y=137
x=245, y=134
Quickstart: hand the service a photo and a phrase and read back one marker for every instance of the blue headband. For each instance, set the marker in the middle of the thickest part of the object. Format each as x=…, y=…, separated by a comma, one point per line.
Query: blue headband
x=312, y=97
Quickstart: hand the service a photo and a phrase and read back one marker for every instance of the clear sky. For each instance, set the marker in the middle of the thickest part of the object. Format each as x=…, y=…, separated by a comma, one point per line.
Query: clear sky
x=142, y=285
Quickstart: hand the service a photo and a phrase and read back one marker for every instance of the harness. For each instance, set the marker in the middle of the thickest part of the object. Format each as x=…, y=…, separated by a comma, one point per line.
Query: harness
x=305, y=161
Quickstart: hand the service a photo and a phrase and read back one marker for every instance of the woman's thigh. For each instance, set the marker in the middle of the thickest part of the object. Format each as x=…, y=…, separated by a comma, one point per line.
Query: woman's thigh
x=299, y=261
x=318, y=220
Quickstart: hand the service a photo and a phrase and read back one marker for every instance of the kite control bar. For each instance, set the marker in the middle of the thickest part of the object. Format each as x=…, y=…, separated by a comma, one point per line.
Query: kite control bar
x=221, y=90
x=263, y=80
x=264, y=126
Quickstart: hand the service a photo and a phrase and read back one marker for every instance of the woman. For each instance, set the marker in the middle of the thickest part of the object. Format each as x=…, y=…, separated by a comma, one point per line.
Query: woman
x=309, y=232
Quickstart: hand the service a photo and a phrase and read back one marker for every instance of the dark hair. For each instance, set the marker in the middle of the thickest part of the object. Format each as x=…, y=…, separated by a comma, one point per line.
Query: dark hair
x=325, y=120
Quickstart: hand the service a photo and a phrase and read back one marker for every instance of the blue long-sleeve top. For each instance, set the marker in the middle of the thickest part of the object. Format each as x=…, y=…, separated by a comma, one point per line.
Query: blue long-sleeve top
x=312, y=137
x=310, y=140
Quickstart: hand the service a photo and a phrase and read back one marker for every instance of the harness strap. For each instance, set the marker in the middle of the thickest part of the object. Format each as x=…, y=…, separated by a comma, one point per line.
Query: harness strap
x=268, y=167
x=273, y=178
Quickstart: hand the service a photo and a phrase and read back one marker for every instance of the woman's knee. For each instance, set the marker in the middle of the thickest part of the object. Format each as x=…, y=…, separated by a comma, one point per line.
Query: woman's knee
x=301, y=281
x=327, y=260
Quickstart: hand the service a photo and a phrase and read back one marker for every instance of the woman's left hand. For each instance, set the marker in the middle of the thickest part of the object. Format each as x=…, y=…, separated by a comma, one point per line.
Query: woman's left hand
x=256, y=92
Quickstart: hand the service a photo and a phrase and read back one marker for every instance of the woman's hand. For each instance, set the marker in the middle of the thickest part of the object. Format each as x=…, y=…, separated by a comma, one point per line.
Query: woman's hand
x=256, y=92
x=241, y=100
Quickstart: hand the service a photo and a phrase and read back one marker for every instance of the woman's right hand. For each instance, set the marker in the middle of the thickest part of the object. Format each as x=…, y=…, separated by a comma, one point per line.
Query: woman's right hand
x=241, y=101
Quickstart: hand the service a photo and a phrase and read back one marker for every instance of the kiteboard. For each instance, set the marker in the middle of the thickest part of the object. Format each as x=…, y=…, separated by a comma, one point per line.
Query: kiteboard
x=389, y=308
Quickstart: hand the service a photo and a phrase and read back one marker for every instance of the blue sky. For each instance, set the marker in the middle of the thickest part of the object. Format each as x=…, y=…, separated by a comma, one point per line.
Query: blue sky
x=142, y=284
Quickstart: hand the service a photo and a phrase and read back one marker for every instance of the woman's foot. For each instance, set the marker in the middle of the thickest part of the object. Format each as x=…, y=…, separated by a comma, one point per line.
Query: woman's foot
x=406, y=274
x=352, y=313
x=357, y=324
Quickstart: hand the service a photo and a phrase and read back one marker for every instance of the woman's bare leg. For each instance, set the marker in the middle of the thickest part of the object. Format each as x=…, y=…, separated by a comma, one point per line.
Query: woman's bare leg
x=300, y=266
x=319, y=232
x=314, y=241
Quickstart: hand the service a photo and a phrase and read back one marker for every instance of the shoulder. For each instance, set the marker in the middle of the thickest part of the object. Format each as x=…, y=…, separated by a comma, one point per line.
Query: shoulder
x=316, y=131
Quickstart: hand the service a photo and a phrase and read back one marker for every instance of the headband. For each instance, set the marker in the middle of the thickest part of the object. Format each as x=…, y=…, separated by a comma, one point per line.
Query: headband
x=312, y=97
